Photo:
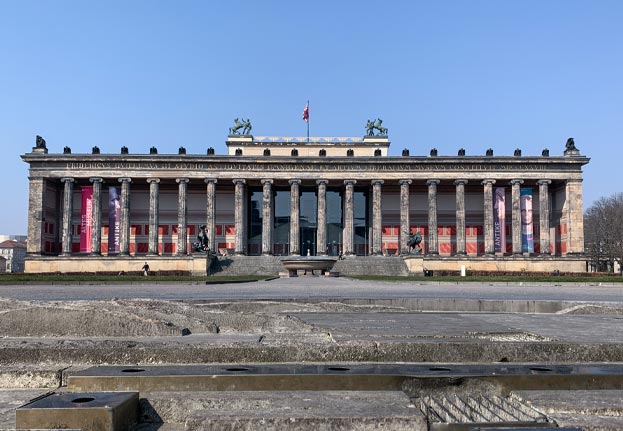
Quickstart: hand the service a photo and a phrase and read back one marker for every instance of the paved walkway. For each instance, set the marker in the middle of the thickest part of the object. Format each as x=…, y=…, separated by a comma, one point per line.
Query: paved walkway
x=319, y=287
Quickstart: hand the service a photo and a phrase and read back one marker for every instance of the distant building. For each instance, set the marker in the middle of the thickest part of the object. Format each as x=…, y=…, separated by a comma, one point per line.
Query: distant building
x=14, y=253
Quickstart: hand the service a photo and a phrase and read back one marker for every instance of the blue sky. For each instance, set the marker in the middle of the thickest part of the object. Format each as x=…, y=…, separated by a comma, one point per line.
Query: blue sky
x=449, y=74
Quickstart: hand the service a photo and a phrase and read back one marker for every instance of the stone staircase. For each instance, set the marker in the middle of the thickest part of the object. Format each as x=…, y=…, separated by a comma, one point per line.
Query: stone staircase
x=271, y=265
x=246, y=265
x=371, y=265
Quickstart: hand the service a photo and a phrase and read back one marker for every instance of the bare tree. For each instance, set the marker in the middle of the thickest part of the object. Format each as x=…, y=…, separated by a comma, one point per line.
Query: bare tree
x=603, y=230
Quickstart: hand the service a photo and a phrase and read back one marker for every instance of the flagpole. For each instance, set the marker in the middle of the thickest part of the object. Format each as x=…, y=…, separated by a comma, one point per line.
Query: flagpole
x=308, y=121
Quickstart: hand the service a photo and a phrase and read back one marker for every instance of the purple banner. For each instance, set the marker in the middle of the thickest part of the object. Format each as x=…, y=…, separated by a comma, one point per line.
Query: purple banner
x=527, y=228
x=499, y=220
x=114, y=219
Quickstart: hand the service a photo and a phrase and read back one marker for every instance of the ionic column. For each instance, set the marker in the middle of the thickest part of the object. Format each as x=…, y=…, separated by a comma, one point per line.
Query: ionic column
x=404, y=216
x=211, y=212
x=575, y=228
x=68, y=209
x=433, y=243
x=96, y=216
x=36, y=215
x=349, y=218
x=182, y=241
x=295, y=242
x=460, y=216
x=516, y=215
x=154, y=207
x=239, y=216
x=267, y=217
x=377, y=219
x=321, y=231
x=124, y=228
x=488, y=221
x=544, y=216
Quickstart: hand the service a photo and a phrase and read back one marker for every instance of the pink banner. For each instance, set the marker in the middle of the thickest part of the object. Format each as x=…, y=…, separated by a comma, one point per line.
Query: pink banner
x=499, y=220
x=85, y=219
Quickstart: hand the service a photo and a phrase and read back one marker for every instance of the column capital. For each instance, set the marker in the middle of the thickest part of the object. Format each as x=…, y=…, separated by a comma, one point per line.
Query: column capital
x=460, y=182
x=544, y=182
x=377, y=182
x=96, y=180
x=350, y=182
x=404, y=182
x=267, y=181
x=487, y=182
x=516, y=182
x=210, y=180
x=239, y=181
x=295, y=181
x=182, y=180
x=67, y=180
x=153, y=180
x=320, y=182
x=431, y=182
x=125, y=180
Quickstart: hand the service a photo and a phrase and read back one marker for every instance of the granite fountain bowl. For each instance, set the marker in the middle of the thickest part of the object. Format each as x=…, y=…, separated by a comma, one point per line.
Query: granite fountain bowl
x=308, y=263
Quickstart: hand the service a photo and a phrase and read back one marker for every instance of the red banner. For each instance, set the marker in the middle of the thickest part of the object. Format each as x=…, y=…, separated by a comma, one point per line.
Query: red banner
x=85, y=219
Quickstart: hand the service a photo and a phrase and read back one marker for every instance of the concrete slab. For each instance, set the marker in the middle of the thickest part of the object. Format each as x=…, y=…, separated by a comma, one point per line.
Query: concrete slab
x=326, y=410
x=11, y=399
x=177, y=407
x=589, y=410
x=90, y=411
x=342, y=376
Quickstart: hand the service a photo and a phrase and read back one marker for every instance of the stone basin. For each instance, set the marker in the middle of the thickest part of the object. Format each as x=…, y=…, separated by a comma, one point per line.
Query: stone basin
x=308, y=263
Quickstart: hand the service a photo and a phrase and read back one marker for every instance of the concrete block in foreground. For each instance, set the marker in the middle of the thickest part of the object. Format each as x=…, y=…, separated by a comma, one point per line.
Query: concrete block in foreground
x=91, y=411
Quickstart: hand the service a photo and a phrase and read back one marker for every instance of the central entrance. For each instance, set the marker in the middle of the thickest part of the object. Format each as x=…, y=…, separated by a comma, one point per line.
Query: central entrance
x=308, y=222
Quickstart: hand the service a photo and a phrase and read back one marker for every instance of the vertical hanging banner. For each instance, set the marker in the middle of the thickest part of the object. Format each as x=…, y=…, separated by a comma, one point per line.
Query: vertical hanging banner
x=114, y=219
x=85, y=219
x=527, y=228
x=499, y=220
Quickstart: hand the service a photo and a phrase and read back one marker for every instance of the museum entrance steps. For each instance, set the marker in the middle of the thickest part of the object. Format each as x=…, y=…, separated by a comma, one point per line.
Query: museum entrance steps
x=371, y=265
x=300, y=396
x=271, y=265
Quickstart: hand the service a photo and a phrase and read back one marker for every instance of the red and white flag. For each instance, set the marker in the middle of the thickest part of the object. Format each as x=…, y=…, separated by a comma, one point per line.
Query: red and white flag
x=306, y=113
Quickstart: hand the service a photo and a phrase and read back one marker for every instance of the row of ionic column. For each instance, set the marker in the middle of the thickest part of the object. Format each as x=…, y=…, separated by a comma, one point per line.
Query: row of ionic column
x=240, y=215
x=124, y=231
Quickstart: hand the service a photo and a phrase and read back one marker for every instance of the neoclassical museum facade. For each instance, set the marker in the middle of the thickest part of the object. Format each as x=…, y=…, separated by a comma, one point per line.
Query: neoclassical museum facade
x=284, y=196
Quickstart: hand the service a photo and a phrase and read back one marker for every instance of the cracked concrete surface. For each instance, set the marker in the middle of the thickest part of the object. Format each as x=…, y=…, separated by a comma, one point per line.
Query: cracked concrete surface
x=41, y=337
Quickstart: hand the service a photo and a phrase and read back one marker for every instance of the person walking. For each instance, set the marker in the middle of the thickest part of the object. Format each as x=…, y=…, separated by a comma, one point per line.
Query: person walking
x=145, y=269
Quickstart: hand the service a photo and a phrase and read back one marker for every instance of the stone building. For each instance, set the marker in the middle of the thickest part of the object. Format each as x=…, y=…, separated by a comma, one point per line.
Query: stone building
x=276, y=196
x=15, y=253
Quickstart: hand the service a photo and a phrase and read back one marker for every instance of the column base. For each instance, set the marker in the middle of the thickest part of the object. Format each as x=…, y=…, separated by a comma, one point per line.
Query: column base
x=95, y=253
x=460, y=253
x=151, y=254
x=433, y=253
